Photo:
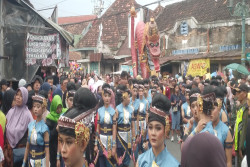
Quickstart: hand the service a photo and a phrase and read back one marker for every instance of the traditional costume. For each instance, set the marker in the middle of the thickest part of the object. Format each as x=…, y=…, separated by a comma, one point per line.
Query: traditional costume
x=158, y=112
x=36, y=141
x=78, y=121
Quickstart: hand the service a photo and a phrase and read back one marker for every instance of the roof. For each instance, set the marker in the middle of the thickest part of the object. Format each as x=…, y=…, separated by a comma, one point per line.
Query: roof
x=95, y=57
x=202, y=10
x=75, y=28
x=75, y=19
x=225, y=55
x=158, y=10
x=115, y=25
x=74, y=56
x=124, y=50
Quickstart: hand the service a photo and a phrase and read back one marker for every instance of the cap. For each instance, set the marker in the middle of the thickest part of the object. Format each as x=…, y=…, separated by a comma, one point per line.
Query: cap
x=242, y=87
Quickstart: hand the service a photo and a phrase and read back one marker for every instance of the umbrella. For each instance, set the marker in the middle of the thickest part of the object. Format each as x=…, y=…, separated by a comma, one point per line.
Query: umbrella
x=214, y=74
x=238, y=67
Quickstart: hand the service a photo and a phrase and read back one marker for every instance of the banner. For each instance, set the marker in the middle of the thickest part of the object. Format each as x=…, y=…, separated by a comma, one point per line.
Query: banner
x=42, y=49
x=198, y=67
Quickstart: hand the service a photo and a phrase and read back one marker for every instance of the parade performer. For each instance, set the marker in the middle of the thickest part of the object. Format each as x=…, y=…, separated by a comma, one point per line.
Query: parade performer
x=37, y=147
x=56, y=109
x=220, y=95
x=125, y=128
x=206, y=104
x=185, y=110
x=192, y=123
x=18, y=119
x=74, y=128
x=141, y=116
x=221, y=130
x=158, y=155
x=106, y=125
x=147, y=92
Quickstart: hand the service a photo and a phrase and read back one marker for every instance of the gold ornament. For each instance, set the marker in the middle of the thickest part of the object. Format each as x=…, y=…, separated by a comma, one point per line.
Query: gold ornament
x=219, y=102
x=82, y=133
x=200, y=102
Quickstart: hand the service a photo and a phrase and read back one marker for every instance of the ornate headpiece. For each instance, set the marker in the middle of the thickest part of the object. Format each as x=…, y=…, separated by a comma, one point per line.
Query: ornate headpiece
x=135, y=86
x=125, y=95
x=107, y=90
x=195, y=95
x=219, y=102
x=206, y=102
x=146, y=86
x=82, y=124
x=162, y=115
x=153, y=33
x=40, y=99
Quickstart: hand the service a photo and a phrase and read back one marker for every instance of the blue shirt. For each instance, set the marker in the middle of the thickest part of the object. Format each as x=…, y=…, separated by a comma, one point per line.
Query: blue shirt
x=187, y=111
x=194, y=125
x=106, y=115
x=134, y=104
x=124, y=114
x=143, y=103
x=177, y=99
x=208, y=128
x=221, y=131
x=164, y=159
x=36, y=132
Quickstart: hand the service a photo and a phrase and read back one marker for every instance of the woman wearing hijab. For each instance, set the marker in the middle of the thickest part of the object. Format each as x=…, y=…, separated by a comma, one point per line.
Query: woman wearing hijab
x=18, y=119
x=8, y=100
x=56, y=109
x=157, y=155
x=203, y=150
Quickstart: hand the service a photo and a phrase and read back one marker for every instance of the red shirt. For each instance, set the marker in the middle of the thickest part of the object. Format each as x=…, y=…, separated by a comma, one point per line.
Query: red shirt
x=167, y=92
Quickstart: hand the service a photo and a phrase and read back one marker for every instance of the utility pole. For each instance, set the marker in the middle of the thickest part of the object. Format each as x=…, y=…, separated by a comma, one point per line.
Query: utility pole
x=241, y=10
x=98, y=7
x=1, y=39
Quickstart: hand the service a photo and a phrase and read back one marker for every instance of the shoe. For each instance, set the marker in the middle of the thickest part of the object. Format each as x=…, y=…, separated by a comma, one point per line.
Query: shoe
x=178, y=138
x=172, y=138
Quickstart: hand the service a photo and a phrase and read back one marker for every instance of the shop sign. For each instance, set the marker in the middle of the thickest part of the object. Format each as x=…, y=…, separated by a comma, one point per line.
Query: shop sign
x=232, y=47
x=198, y=67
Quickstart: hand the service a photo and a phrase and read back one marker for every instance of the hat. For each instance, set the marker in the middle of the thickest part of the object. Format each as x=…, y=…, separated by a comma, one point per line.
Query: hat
x=21, y=83
x=242, y=87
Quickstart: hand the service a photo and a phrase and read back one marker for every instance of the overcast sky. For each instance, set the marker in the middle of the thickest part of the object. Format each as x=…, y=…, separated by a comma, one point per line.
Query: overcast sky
x=82, y=7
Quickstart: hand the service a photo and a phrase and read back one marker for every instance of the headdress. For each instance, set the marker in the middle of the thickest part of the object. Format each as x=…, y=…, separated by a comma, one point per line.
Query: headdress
x=206, y=102
x=82, y=124
x=70, y=93
x=106, y=90
x=40, y=99
x=159, y=110
x=153, y=33
x=141, y=86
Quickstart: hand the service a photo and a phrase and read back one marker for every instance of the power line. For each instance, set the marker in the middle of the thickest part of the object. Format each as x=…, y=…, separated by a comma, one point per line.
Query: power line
x=53, y=4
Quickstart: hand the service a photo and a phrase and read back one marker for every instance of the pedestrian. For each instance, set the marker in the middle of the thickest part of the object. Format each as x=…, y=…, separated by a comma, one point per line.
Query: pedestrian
x=37, y=147
x=176, y=103
x=158, y=155
x=18, y=119
x=36, y=83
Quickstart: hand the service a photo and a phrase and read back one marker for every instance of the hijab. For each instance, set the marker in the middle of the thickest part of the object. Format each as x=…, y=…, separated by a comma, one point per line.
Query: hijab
x=18, y=119
x=203, y=150
x=53, y=115
x=8, y=98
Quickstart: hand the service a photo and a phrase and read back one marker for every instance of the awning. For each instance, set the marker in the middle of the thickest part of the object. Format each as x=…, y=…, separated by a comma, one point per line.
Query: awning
x=95, y=57
x=83, y=61
x=213, y=56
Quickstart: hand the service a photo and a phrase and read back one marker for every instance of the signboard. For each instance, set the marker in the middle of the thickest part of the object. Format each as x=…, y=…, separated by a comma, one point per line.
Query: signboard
x=248, y=56
x=185, y=51
x=198, y=67
x=42, y=49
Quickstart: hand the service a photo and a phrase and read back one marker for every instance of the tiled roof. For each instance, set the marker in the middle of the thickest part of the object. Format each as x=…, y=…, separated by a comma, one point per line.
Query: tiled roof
x=202, y=10
x=75, y=19
x=124, y=50
x=115, y=25
x=158, y=10
x=75, y=28
x=74, y=56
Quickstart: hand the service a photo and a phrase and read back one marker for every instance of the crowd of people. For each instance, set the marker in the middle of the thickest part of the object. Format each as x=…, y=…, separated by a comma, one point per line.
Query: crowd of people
x=75, y=121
